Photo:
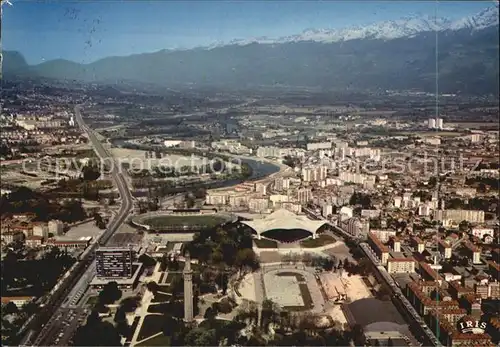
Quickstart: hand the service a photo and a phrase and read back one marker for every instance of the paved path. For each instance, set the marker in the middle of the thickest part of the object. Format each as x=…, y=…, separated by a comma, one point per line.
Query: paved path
x=285, y=249
x=143, y=312
x=259, y=287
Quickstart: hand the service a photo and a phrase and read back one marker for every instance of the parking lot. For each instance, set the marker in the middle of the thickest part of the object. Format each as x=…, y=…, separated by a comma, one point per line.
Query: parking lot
x=84, y=230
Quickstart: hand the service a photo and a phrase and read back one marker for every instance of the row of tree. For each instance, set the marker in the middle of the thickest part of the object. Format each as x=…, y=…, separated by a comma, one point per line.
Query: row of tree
x=24, y=200
x=292, y=328
x=33, y=277
x=230, y=246
x=97, y=332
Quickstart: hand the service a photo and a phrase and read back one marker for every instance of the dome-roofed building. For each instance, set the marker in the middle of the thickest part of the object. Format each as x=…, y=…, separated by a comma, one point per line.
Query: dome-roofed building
x=284, y=220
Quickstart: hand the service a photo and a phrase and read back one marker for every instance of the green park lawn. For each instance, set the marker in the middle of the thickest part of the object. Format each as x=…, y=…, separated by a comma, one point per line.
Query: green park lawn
x=160, y=297
x=160, y=340
x=265, y=243
x=165, y=221
x=153, y=324
x=171, y=276
x=321, y=240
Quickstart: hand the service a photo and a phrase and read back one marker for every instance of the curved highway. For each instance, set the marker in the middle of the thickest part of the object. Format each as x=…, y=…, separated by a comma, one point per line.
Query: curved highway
x=56, y=312
x=119, y=180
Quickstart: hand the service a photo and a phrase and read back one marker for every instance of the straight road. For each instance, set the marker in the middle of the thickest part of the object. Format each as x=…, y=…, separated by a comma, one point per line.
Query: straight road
x=63, y=320
x=398, y=294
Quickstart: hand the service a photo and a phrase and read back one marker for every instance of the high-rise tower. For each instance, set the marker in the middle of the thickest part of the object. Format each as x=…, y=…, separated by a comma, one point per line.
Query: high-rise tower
x=188, y=289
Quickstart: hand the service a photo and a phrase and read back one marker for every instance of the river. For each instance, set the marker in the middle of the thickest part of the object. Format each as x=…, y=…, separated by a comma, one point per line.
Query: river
x=260, y=169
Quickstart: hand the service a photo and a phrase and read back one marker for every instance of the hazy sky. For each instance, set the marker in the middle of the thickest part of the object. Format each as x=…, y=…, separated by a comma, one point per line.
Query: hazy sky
x=84, y=31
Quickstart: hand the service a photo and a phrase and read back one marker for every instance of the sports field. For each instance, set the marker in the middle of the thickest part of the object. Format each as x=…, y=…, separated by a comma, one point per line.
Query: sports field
x=166, y=221
x=291, y=290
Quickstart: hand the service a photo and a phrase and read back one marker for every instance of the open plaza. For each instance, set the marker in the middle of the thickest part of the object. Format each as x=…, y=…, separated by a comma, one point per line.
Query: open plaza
x=299, y=288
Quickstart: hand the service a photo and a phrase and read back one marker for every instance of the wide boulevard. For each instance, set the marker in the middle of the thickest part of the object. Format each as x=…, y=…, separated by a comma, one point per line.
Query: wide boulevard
x=63, y=309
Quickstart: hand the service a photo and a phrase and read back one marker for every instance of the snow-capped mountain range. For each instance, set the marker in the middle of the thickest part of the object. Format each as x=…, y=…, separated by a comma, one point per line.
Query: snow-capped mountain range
x=386, y=30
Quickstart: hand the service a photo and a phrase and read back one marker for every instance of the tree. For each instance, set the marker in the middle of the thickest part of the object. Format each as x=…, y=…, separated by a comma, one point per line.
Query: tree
x=364, y=266
x=256, y=339
x=200, y=193
x=246, y=258
x=30, y=308
x=307, y=258
x=358, y=335
x=170, y=325
x=270, y=313
x=130, y=304
x=99, y=222
x=224, y=283
x=346, y=263
x=10, y=308
x=173, y=264
x=360, y=199
x=335, y=338
x=464, y=226
x=217, y=257
x=432, y=182
x=190, y=201
x=146, y=260
x=90, y=173
x=225, y=305
x=201, y=337
x=247, y=312
x=177, y=286
x=153, y=287
x=110, y=293
x=164, y=262
x=124, y=329
x=96, y=333
x=384, y=293
x=120, y=316
x=210, y=313
x=325, y=263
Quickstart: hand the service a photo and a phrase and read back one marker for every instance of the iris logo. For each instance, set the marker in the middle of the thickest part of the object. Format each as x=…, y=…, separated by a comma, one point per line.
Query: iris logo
x=470, y=326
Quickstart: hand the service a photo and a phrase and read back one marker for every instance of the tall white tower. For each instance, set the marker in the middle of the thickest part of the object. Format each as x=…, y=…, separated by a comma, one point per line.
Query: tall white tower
x=188, y=289
x=71, y=121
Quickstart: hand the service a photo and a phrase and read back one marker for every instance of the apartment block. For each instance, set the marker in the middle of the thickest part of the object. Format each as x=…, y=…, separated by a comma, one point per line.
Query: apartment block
x=379, y=248
x=401, y=265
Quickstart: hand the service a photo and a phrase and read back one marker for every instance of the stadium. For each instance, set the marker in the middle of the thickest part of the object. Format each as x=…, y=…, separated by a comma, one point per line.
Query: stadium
x=178, y=221
x=285, y=226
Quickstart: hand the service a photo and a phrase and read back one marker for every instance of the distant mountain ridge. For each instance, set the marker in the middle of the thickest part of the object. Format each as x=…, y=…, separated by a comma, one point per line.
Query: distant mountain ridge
x=385, y=30
x=388, y=56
